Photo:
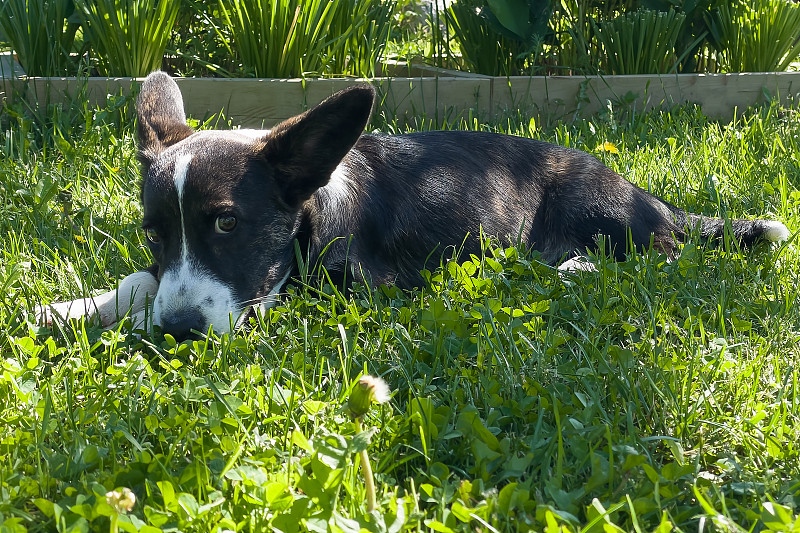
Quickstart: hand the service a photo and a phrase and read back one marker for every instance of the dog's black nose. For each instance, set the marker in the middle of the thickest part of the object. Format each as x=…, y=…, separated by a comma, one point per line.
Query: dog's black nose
x=181, y=325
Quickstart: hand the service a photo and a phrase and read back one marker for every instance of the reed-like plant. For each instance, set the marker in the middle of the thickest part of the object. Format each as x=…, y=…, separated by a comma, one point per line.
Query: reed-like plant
x=756, y=35
x=198, y=43
x=128, y=36
x=577, y=49
x=293, y=38
x=483, y=49
x=365, y=26
x=277, y=38
x=41, y=34
x=641, y=42
x=499, y=37
x=693, y=36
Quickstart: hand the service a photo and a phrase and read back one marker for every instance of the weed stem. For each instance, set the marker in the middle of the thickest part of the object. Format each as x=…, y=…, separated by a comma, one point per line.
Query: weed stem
x=366, y=467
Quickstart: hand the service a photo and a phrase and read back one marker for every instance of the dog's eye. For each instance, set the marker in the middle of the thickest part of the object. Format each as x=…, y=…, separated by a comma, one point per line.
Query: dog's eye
x=152, y=235
x=225, y=224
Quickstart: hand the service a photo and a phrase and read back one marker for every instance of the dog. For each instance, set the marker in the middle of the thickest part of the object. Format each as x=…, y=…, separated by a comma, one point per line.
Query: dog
x=223, y=210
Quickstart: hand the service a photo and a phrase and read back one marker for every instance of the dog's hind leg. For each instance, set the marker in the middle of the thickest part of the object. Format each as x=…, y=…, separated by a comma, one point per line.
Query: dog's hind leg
x=132, y=296
x=579, y=263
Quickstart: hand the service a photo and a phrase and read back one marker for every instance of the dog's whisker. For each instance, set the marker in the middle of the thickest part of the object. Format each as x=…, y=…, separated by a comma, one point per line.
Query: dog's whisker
x=269, y=298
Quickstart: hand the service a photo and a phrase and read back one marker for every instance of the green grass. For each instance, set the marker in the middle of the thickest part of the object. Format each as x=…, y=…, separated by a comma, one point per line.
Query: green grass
x=650, y=395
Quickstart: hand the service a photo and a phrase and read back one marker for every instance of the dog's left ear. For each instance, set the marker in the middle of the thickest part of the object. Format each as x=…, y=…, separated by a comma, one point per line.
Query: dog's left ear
x=161, y=121
x=305, y=150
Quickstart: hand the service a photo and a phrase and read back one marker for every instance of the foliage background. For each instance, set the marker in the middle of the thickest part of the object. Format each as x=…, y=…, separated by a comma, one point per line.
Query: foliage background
x=296, y=38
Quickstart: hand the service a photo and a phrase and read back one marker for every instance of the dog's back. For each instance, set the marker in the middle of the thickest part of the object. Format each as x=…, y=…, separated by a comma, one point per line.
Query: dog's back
x=402, y=197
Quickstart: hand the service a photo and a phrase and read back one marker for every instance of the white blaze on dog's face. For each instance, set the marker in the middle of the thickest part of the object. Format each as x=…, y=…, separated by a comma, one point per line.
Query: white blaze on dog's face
x=222, y=208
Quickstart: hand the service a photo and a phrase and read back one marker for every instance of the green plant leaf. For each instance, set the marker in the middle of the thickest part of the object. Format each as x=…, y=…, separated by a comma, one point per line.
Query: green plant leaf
x=513, y=15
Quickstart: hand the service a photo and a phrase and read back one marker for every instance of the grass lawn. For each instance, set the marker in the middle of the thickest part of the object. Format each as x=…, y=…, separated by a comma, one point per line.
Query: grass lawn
x=646, y=396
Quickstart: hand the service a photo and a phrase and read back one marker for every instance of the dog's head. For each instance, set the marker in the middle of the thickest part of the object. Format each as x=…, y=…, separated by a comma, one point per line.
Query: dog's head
x=221, y=208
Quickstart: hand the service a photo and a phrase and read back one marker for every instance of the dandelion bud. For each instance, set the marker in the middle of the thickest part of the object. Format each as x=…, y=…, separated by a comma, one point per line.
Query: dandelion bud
x=122, y=500
x=368, y=389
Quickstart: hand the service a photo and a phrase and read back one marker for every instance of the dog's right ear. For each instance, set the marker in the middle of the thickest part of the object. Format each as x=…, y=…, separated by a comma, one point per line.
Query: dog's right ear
x=305, y=150
x=161, y=119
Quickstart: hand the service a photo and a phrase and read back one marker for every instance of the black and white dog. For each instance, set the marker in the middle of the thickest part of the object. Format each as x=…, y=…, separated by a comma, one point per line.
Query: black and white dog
x=222, y=209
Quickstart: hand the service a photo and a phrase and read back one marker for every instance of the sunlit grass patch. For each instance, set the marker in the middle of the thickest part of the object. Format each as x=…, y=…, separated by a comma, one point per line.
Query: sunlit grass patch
x=650, y=393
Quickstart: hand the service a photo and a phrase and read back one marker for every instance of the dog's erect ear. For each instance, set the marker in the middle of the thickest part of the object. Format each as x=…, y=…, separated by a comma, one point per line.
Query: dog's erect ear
x=159, y=110
x=305, y=150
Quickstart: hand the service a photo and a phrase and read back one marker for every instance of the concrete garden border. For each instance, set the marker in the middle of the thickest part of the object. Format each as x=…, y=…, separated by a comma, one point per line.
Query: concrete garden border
x=438, y=95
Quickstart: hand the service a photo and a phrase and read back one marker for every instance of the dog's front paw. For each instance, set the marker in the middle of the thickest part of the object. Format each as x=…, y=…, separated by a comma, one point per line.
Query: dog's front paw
x=46, y=314
x=133, y=297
